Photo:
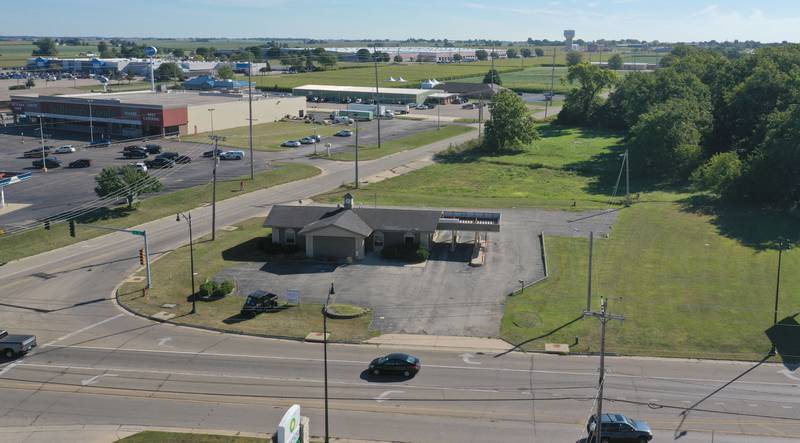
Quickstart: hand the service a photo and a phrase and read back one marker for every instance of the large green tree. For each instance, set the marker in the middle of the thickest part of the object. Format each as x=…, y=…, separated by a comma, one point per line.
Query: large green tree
x=481, y=54
x=169, y=71
x=225, y=72
x=492, y=77
x=126, y=181
x=615, y=62
x=583, y=100
x=511, y=124
x=364, y=55
x=574, y=58
x=46, y=46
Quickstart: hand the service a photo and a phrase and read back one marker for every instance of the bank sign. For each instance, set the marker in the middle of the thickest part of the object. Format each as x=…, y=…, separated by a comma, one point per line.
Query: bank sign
x=289, y=427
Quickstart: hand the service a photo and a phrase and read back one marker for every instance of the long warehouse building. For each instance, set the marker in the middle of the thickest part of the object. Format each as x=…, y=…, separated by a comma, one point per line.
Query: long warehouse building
x=141, y=114
x=385, y=95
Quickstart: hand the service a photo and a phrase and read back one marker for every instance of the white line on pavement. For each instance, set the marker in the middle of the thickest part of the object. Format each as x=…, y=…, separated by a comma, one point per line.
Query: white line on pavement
x=10, y=366
x=84, y=329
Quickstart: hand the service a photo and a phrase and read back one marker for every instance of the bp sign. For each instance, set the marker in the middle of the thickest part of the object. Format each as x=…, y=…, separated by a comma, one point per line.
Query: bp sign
x=289, y=427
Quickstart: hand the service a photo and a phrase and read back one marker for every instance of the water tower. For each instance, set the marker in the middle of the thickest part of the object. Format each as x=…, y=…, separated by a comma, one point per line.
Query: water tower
x=569, y=35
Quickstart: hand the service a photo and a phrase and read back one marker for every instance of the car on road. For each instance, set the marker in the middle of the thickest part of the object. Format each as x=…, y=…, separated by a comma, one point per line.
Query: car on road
x=619, y=428
x=397, y=363
x=140, y=166
x=316, y=137
x=135, y=154
x=80, y=163
x=14, y=345
x=307, y=141
x=291, y=144
x=134, y=148
x=66, y=149
x=182, y=159
x=168, y=155
x=50, y=162
x=159, y=163
x=232, y=155
x=153, y=149
x=259, y=301
x=37, y=152
x=211, y=153
x=344, y=133
x=468, y=106
x=421, y=107
x=100, y=144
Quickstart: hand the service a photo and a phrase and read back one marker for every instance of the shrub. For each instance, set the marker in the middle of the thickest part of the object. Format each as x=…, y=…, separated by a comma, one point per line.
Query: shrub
x=226, y=287
x=212, y=289
x=422, y=254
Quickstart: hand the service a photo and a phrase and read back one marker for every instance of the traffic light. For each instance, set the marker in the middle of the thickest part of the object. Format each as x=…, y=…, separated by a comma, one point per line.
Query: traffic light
x=141, y=257
x=47, y=225
x=71, y=228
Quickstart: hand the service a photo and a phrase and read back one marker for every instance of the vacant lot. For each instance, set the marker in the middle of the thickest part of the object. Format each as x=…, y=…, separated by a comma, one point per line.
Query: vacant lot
x=267, y=136
x=371, y=152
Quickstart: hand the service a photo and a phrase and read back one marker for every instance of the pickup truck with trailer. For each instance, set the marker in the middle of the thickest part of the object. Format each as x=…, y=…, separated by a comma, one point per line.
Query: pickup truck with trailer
x=14, y=345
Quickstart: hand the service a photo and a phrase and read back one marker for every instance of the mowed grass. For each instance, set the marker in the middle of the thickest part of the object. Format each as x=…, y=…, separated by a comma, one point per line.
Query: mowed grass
x=413, y=141
x=533, y=79
x=179, y=437
x=39, y=240
x=17, y=53
x=172, y=284
x=268, y=136
x=567, y=165
x=685, y=288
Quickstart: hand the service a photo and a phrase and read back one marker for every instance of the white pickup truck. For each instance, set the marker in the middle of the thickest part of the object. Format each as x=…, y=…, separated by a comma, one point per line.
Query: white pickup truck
x=14, y=345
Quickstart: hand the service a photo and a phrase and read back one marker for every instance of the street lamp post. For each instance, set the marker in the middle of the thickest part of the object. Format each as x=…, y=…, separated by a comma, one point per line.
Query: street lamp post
x=325, y=356
x=91, y=124
x=41, y=142
x=211, y=113
x=782, y=244
x=188, y=218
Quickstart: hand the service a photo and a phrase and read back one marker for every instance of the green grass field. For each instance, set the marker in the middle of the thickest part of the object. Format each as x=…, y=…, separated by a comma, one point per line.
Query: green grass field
x=532, y=79
x=171, y=284
x=268, y=136
x=17, y=53
x=39, y=240
x=371, y=152
x=178, y=437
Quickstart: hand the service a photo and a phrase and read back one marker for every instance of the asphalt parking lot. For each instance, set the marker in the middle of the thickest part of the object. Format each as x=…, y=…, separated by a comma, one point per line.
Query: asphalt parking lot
x=444, y=296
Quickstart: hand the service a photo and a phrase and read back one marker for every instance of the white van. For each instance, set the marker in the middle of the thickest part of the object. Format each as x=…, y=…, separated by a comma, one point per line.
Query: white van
x=232, y=155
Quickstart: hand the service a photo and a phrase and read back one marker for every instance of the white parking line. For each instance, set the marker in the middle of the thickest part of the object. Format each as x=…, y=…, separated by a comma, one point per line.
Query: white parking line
x=84, y=329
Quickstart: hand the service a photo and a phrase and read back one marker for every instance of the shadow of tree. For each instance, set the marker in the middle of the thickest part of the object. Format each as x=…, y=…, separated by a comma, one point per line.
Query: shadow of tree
x=105, y=213
x=248, y=251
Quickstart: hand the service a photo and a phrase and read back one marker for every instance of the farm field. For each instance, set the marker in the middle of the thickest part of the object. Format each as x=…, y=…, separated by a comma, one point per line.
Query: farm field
x=531, y=79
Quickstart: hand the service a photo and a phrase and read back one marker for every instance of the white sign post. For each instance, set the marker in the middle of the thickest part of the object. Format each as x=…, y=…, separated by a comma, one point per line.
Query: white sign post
x=293, y=296
x=289, y=427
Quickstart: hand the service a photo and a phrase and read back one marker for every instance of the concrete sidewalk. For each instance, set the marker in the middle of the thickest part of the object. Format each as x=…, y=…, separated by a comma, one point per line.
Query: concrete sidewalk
x=419, y=341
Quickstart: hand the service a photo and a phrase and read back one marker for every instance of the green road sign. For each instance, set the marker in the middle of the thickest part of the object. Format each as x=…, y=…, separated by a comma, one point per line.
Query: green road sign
x=137, y=233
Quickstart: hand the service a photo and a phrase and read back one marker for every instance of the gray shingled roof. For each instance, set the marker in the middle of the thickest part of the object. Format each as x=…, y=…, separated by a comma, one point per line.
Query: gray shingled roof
x=343, y=219
x=380, y=219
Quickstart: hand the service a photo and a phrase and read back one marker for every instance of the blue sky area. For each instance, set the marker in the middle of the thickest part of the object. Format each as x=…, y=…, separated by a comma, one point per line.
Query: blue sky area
x=674, y=20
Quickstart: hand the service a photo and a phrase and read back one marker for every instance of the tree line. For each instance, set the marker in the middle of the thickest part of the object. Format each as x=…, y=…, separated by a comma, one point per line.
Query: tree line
x=730, y=125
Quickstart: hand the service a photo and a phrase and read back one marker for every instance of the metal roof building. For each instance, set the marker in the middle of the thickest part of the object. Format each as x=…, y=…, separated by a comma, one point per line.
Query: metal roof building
x=385, y=95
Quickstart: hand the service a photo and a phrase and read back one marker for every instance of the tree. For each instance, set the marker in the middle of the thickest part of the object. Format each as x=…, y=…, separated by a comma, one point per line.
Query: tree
x=525, y=52
x=583, y=101
x=492, y=77
x=574, y=58
x=327, y=60
x=539, y=52
x=615, y=62
x=30, y=83
x=102, y=48
x=274, y=52
x=494, y=55
x=719, y=174
x=225, y=72
x=363, y=55
x=511, y=53
x=169, y=71
x=511, y=122
x=481, y=54
x=125, y=180
x=47, y=46
x=398, y=59
x=457, y=57
x=179, y=53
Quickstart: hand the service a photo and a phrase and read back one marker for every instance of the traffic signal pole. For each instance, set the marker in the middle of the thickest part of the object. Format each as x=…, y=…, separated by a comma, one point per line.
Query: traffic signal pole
x=140, y=233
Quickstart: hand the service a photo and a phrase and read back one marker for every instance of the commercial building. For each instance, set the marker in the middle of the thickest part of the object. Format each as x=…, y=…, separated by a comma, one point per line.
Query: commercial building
x=385, y=95
x=209, y=83
x=141, y=114
x=110, y=66
x=352, y=232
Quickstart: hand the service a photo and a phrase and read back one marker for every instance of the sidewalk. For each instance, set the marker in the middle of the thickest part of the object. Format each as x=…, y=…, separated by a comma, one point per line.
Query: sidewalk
x=475, y=344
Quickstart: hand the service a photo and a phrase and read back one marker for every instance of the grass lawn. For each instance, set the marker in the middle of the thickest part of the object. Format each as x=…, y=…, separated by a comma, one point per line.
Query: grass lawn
x=687, y=288
x=171, y=284
x=413, y=141
x=566, y=165
x=533, y=79
x=268, y=136
x=178, y=437
x=39, y=240
x=16, y=53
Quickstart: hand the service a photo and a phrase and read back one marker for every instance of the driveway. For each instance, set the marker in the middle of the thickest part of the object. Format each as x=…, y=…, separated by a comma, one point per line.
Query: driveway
x=444, y=296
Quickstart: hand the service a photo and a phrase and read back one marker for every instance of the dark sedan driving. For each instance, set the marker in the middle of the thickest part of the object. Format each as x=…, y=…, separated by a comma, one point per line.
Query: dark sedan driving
x=395, y=364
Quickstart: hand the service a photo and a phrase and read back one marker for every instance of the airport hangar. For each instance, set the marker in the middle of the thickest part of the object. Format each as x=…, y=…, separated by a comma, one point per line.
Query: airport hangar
x=141, y=114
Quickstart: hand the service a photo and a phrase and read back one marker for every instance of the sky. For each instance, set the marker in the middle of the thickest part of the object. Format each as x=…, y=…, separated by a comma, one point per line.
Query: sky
x=674, y=20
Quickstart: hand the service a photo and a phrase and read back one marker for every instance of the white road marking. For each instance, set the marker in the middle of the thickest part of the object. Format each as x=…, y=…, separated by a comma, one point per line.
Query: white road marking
x=163, y=341
x=788, y=374
x=467, y=357
x=752, y=405
x=10, y=366
x=786, y=407
x=93, y=380
x=84, y=329
x=385, y=395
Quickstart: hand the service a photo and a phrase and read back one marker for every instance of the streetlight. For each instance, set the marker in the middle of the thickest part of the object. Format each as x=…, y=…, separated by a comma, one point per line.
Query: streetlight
x=325, y=354
x=188, y=218
x=211, y=112
x=782, y=245
x=91, y=125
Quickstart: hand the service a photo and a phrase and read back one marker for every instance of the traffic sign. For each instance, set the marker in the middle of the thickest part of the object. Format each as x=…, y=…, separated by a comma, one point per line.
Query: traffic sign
x=141, y=233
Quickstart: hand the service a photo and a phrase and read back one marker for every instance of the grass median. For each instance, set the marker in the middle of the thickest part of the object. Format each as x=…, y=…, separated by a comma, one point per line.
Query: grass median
x=180, y=437
x=40, y=240
x=172, y=284
x=268, y=136
x=413, y=141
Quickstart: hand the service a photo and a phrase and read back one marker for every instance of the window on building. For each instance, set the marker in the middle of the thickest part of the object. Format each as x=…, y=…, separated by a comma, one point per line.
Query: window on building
x=290, y=236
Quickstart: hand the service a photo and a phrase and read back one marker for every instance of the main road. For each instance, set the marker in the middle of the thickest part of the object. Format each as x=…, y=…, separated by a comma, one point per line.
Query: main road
x=98, y=365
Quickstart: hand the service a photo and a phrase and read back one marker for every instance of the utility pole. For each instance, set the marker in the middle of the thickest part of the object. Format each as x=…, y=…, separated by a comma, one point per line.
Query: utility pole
x=627, y=179
x=782, y=244
x=356, y=153
x=211, y=113
x=377, y=103
x=91, y=124
x=438, y=118
x=188, y=218
x=250, y=120
x=41, y=141
x=589, y=290
x=552, y=84
x=325, y=356
x=604, y=317
x=216, y=139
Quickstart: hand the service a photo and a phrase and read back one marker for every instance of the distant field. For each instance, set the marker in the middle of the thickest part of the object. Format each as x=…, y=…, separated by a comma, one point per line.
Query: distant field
x=534, y=79
x=18, y=53
x=267, y=136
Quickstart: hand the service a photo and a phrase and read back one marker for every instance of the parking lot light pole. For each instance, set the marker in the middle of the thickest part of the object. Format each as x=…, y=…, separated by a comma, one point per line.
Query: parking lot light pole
x=377, y=101
x=356, y=153
x=41, y=141
x=325, y=356
x=211, y=113
x=216, y=139
x=91, y=124
x=188, y=218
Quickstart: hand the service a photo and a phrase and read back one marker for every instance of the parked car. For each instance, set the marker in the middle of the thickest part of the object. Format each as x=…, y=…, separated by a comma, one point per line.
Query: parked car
x=232, y=155
x=421, y=107
x=258, y=301
x=183, y=159
x=81, y=163
x=135, y=154
x=619, y=428
x=291, y=144
x=35, y=153
x=50, y=162
x=14, y=345
x=211, y=153
x=140, y=166
x=317, y=138
x=134, y=148
x=153, y=149
x=159, y=163
x=344, y=133
x=66, y=149
x=307, y=141
x=100, y=144
x=468, y=106
x=168, y=155
x=395, y=363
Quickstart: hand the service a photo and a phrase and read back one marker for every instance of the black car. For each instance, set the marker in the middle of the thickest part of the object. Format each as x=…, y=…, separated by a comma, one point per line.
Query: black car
x=133, y=148
x=37, y=153
x=50, y=162
x=259, y=301
x=135, y=154
x=159, y=163
x=182, y=159
x=153, y=149
x=100, y=143
x=169, y=155
x=619, y=428
x=397, y=363
x=211, y=153
x=81, y=163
